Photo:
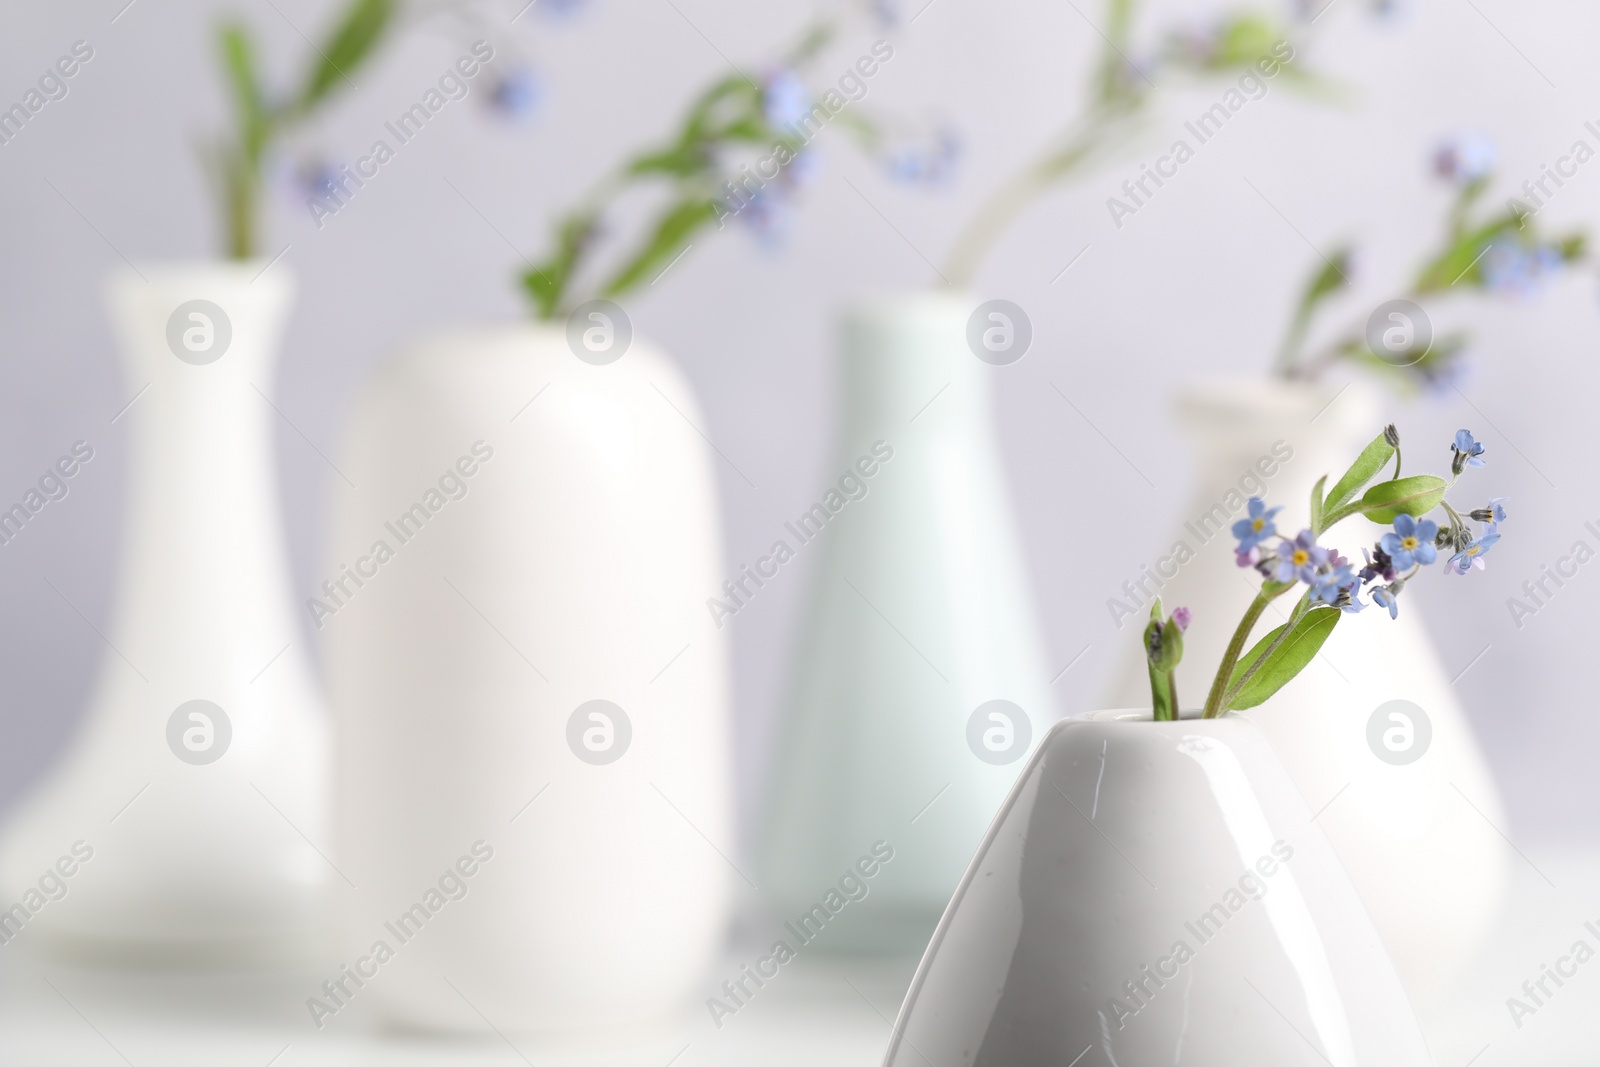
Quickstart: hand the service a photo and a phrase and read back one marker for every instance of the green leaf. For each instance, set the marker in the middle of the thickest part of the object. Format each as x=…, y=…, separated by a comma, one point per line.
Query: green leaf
x=548, y=283
x=672, y=232
x=238, y=59
x=1416, y=495
x=1333, y=277
x=1461, y=262
x=351, y=43
x=1316, y=505
x=1363, y=470
x=1285, y=661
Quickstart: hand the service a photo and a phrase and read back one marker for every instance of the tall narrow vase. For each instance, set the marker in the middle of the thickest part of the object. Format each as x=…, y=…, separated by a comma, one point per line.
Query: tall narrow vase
x=185, y=803
x=1156, y=893
x=534, y=788
x=920, y=684
x=1412, y=812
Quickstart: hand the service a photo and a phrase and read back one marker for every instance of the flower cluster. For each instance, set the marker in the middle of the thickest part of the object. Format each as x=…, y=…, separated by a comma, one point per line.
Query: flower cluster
x=1497, y=252
x=1399, y=554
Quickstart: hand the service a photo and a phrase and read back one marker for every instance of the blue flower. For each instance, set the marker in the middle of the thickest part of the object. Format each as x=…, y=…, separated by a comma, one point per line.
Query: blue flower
x=1473, y=554
x=769, y=214
x=1512, y=268
x=785, y=100
x=1464, y=158
x=561, y=9
x=1344, y=591
x=516, y=94
x=1258, y=527
x=1333, y=583
x=1465, y=452
x=1299, y=559
x=317, y=178
x=1411, y=543
x=1384, y=596
x=1491, y=512
x=929, y=163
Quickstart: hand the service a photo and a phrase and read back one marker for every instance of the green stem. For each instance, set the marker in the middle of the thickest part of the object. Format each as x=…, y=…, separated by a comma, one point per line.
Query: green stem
x=1230, y=658
x=1163, y=694
x=1013, y=197
x=1295, y=616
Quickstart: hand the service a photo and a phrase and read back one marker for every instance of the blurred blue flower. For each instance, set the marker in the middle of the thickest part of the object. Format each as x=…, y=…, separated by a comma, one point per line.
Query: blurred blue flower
x=1333, y=584
x=1463, y=158
x=1516, y=269
x=560, y=9
x=886, y=12
x=785, y=100
x=1385, y=597
x=802, y=169
x=1411, y=543
x=316, y=177
x=925, y=164
x=516, y=94
x=1257, y=527
x=769, y=215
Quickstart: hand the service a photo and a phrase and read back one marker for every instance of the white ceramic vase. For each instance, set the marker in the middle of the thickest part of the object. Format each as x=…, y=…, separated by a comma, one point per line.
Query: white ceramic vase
x=550, y=535
x=920, y=614
x=1156, y=893
x=198, y=826
x=1415, y=836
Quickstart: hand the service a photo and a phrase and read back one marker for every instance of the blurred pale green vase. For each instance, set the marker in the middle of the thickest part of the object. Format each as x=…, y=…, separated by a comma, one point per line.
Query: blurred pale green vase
x=920, y=686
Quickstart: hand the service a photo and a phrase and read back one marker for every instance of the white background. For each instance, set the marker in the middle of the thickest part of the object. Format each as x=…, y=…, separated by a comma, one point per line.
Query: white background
x=1198, y=283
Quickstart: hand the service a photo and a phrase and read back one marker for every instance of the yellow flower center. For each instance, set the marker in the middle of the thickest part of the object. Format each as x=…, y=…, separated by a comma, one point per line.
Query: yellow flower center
x=1301, y=557
x=1408, y=543
x=1257, y=524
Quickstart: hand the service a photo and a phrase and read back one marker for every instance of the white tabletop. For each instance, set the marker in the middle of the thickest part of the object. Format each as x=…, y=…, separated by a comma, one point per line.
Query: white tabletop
x=828, y=1012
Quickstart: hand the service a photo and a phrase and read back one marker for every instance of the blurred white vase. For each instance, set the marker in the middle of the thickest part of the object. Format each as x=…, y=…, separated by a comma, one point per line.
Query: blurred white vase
x=550, y=533
x=198, y=819
x=920, y=612
x=1416, y=836
x=1156, y=893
